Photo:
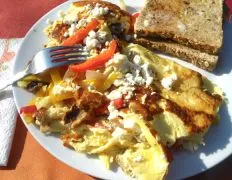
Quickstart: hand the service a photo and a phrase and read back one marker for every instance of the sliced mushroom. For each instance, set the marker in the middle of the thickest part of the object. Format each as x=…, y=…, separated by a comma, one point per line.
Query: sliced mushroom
x=34, y=86
x=71, y=115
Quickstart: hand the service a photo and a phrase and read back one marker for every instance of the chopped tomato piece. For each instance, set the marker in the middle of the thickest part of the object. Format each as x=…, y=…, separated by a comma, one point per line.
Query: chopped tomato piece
x=28, y=109
x=118, y=103
x=102, y=110
x=96, y=61
x=81, y=33
x=133, y=19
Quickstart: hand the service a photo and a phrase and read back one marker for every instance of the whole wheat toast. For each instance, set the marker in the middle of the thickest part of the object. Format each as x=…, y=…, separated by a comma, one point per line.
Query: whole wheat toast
x=194, y=23
x=196, y=57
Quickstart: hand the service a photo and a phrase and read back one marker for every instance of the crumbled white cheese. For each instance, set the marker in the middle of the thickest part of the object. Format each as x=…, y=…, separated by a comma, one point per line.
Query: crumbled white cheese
x=102, y=36
x=99, y=11
x=92, y=34
x=137, y=59
x=143, y=98
x=81, y=23
x=71, y=30
x=91, y=43
x=147, y=74
x=168, y=81
x=115, y=94
x=133, y=73
x=59, y=89
x=70, y=18
x=122, y=90
x=94, y=39
x=119, y=133
x=88, y=7
x=128, y=123
x=107, y=43
x=66, y=34
x=139, y=158
x=140, y=74
x=113, y=111
x=119, y=62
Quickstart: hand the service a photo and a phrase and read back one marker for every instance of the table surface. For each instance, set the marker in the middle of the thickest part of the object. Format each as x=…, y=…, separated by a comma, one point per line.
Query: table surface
x=28, y=159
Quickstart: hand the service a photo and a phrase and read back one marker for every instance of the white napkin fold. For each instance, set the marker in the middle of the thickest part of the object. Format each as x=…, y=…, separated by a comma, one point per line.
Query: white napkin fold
x=8, y=114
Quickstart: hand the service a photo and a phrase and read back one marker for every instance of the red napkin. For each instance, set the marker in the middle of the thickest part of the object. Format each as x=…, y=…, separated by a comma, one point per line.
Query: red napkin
x=17, y=16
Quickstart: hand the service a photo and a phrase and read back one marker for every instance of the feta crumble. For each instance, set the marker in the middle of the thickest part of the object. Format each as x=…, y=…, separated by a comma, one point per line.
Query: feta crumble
x=137, y=59
x=119, y=133
x=60, y=89
x=71, y=30
x=99, y=11
x=168, y=81
x=70, y=18
x=143, y=98
x=113, y=111
x=128, y=124
x=134, y=73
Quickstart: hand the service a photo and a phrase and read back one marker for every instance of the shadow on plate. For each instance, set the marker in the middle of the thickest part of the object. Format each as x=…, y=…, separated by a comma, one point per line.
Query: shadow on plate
x=113, y=166
x=225, y=58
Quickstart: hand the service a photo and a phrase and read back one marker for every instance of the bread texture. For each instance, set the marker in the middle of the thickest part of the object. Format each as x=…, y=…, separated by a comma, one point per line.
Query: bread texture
x=193, y=23
x=196, y=57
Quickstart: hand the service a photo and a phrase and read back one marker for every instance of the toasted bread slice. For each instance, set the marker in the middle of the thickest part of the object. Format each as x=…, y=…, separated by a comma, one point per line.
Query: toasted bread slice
x=196, y=57
x=194, y=23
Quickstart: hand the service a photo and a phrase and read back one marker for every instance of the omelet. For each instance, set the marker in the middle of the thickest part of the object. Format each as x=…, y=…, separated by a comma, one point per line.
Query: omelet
x=189, y=107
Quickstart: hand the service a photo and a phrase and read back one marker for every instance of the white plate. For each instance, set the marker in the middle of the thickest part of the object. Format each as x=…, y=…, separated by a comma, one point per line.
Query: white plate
x=218, y=140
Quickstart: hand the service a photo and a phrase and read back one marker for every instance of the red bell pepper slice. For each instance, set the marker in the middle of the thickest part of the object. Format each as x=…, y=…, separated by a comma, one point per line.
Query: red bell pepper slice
x=28, y=109
x=96, y=61
x=118, y=103
x=81, y=33
x=133, y=19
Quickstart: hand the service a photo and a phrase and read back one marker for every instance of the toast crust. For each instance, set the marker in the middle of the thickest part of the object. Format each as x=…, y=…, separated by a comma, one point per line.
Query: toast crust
x=196, y=57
